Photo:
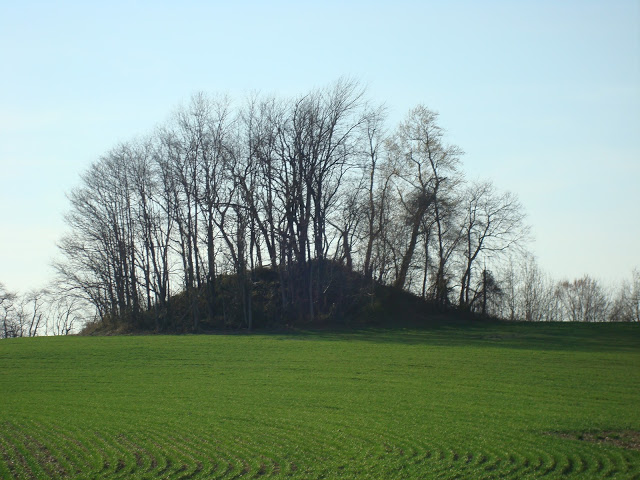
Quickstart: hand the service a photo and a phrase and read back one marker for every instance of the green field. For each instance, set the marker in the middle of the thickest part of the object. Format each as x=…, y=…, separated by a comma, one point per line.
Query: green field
x=484, y=401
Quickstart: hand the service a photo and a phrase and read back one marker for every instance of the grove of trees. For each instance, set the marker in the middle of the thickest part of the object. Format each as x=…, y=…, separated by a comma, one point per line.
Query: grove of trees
x=188, y=224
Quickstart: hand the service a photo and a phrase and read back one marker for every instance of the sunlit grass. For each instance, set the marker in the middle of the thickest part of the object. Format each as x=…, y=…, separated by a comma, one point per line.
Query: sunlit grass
x=497, y=400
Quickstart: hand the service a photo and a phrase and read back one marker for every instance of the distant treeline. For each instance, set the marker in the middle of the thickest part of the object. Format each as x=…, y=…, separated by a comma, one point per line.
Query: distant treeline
x=224, y=195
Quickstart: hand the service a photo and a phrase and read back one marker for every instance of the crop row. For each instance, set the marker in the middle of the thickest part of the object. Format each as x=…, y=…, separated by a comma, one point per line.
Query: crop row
x=44, y=450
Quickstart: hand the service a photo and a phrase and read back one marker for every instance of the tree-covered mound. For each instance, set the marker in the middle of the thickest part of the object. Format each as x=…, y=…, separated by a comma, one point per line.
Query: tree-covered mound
x=278, y=200
x=257, y=301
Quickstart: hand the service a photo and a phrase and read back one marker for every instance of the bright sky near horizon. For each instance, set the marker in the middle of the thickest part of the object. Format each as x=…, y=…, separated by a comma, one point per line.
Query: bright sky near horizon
x=543, y=96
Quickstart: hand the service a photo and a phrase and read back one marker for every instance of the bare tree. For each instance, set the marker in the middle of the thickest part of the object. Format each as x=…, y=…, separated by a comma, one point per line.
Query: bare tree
x=493, y=225
x=32, y=311
x=65, y=313
x=428, y=169
x=539, y=298
x=374, y=131
x=8, y=313
x=626, y=304
x=584, y=300
x=346, y=222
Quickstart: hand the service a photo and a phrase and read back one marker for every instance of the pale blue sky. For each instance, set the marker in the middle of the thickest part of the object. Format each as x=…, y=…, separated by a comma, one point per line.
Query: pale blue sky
x=544, y=97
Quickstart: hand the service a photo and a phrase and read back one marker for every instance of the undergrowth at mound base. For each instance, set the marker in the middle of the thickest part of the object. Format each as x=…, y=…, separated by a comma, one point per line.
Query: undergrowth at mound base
x=490, y=401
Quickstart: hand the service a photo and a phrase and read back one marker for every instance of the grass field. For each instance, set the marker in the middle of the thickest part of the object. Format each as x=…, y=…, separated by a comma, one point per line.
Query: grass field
x=484, y=401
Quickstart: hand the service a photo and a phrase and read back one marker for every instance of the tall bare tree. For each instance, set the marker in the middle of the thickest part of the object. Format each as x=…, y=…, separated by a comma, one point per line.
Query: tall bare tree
x=374, y=135
x=429, y=171
x=493, y=224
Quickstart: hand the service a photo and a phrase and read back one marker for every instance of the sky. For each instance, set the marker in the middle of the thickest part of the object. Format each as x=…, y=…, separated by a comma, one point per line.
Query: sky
x=543, y=97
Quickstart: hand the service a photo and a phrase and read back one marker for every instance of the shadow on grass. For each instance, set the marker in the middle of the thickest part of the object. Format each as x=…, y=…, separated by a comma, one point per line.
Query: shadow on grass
x=533, y=336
